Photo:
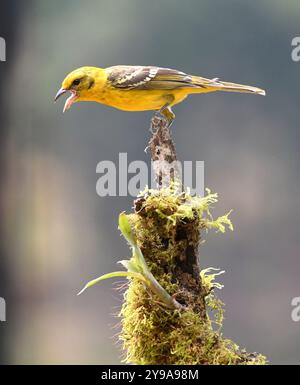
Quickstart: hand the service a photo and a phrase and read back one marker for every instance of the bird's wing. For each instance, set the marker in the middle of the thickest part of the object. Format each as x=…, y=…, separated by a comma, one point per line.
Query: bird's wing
x=148, y=78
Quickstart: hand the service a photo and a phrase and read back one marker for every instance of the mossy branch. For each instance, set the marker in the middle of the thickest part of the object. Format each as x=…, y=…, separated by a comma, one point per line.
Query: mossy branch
x=171, y=314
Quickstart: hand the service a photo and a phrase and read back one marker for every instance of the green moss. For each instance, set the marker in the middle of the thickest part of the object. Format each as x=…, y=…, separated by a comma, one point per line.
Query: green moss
x=154, y=335
x=167, y=229
x=171, y=314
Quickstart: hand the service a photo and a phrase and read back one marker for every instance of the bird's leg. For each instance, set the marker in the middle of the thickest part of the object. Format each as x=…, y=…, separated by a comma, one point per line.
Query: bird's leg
x=166, y=113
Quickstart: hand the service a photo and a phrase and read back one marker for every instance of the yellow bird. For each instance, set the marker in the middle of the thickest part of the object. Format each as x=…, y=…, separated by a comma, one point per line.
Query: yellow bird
x=140, y=88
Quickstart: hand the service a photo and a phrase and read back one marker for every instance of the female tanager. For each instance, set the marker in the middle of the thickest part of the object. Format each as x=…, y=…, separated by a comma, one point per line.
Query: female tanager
x=140, y=88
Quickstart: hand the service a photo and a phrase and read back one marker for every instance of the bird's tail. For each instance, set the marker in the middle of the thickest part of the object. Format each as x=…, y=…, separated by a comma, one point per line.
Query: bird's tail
x=217, y=85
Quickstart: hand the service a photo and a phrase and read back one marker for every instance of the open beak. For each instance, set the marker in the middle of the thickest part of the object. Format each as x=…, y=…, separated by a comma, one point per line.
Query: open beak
x=71, y=99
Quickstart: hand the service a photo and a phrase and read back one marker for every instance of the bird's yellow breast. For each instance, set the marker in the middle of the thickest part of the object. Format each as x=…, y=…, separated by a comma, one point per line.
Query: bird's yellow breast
x=136, y=100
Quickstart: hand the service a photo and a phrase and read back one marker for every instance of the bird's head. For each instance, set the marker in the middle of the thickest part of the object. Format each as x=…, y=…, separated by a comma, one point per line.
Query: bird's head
x=80, y=84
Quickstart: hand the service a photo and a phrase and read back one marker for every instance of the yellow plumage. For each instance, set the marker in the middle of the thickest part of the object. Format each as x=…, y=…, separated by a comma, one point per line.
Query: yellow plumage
x=140, y=88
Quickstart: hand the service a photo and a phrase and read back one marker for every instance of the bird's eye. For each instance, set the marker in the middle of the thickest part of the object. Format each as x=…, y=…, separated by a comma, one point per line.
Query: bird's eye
x=76, y=82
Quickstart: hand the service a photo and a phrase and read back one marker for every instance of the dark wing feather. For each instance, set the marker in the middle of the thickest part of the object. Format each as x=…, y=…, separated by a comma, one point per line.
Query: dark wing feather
x=148, y=78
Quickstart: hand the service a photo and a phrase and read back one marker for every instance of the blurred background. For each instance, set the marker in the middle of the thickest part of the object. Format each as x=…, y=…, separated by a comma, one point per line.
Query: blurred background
x=57, y=233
